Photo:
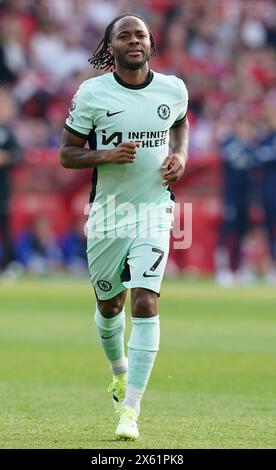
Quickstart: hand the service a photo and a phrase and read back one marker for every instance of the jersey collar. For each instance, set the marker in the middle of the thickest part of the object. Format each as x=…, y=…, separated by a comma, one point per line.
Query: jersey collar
x=134, y=87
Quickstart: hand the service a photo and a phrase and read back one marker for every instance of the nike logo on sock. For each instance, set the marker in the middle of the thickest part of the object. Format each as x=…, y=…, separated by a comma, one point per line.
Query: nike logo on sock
x=150, y=275
x=113, y=114
x=107, y=337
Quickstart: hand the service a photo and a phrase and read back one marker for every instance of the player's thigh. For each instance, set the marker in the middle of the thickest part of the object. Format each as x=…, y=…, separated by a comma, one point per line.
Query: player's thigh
x=106, y=259
x=147, y=258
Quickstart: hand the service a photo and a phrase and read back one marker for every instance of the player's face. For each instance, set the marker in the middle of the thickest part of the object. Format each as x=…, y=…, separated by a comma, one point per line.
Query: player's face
x=130, y=43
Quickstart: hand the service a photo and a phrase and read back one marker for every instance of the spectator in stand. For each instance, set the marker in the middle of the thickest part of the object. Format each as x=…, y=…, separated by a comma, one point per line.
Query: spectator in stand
x=74, y=248
x=38, y=250
x=9, y=156
x=237, y=153
x=254, y=252
x=266, y=158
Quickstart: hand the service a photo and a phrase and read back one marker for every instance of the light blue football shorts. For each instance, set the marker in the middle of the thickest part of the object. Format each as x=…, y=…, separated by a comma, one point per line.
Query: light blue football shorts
x=136, y=260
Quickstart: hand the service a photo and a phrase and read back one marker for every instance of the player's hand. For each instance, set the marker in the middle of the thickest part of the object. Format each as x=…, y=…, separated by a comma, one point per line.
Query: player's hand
x=172, y=168
x=125, y=152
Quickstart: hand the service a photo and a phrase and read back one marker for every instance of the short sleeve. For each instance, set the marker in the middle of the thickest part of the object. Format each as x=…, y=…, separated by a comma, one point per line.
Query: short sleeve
x=80, y=118
x=183, y=103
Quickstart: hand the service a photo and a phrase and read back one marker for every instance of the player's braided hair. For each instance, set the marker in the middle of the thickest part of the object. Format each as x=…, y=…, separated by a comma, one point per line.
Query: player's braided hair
x=102, y=58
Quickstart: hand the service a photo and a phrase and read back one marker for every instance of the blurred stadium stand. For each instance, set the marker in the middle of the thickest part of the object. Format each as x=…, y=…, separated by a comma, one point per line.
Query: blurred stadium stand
x=224, y=50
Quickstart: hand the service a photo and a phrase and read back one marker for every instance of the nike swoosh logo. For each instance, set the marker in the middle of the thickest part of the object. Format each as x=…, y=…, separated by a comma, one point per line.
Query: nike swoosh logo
x=113, y=114
x=107, y=337
x=150, y=275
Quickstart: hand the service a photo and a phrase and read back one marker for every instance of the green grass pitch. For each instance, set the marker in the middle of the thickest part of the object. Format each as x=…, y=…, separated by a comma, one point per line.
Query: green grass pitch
x=213, y=384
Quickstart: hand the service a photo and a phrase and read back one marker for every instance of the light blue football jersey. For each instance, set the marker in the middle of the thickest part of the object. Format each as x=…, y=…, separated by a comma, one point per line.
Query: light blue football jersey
x=107, y=111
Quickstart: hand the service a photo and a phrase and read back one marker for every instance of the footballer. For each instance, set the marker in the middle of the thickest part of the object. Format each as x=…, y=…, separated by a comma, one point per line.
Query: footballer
x=127, y=117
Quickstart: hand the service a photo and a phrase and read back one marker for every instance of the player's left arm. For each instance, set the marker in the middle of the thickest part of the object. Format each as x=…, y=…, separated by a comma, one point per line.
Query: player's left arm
x=174, y=165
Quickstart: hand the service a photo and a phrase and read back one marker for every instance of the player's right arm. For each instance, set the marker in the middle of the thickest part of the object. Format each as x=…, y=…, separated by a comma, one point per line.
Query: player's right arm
x=73, y=153
x=78, y=126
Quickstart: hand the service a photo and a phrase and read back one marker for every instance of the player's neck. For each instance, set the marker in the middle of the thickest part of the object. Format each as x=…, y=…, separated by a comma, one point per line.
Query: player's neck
x=133, y=77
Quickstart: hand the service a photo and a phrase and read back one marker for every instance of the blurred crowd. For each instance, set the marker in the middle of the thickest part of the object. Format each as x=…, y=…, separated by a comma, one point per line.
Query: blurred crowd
x=224, y=50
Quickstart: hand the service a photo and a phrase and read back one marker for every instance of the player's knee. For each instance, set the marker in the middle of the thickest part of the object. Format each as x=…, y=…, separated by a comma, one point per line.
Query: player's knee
x=110, y=308
x=144, y=303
